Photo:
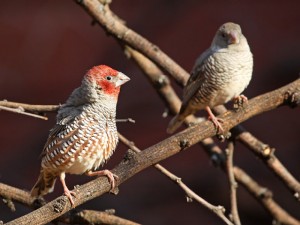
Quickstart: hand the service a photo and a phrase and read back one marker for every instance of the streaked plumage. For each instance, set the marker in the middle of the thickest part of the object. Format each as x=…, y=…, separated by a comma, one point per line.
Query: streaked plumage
x=85, y=134
x=220, y=74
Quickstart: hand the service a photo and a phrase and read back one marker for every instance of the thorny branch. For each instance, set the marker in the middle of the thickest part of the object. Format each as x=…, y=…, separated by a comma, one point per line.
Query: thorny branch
x=135, y=163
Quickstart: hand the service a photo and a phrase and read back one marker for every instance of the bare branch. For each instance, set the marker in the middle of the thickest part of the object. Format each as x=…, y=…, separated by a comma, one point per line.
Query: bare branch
x=21, y=111
x=96, y=217
x=266, y=154
x=261, y=194
x=130, y=120
x=134, y=163
x=73, y=217
x=218, y=210
x=108, y=21
x=265, y=196
x=232, y=183
x=29, y=107
x=162, y=84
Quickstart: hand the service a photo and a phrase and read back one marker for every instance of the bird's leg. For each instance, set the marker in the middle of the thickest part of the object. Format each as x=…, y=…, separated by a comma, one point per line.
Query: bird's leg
x=216, y=121
x=67, y=192
x=111, y=177
x=239, y=101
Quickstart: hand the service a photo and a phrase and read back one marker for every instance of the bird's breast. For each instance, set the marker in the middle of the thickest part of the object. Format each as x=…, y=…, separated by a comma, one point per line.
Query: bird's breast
x=227, y=76
x=84, y=144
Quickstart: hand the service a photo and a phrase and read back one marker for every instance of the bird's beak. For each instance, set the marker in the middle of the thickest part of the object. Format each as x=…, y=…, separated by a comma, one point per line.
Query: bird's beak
x=233, y=38
x=122, y=79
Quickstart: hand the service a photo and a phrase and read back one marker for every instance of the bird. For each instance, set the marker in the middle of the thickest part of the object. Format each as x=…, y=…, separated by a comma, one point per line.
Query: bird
x=220, y=74
x=85, y=134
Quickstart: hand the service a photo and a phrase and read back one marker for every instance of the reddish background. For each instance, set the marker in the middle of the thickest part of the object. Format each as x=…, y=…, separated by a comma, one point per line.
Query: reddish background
x=46, y=47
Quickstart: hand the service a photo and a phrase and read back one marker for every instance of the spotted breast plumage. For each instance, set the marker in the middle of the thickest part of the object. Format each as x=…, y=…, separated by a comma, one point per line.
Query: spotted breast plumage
x=85, y=135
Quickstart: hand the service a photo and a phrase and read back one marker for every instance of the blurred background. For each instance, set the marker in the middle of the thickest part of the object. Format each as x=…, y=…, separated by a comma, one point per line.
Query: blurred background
x=47, y=46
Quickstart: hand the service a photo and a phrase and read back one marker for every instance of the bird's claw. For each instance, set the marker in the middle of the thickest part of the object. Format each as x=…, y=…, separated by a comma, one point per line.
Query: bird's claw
x=111, y=176
x=70, y=195
x=217, y=122
x=239, y=101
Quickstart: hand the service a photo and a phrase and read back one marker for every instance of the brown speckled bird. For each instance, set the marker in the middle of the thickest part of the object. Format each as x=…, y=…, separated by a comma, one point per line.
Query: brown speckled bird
x=220, y=74
x=85, y=134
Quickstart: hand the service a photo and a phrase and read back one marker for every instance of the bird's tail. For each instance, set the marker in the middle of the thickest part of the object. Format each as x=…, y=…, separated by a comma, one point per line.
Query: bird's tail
x=44, y=184
x=174, y=124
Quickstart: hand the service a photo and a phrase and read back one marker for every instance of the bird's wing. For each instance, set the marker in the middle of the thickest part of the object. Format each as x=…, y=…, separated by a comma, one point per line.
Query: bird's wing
x=52, y=136
x=59, y=126
x=197, y=77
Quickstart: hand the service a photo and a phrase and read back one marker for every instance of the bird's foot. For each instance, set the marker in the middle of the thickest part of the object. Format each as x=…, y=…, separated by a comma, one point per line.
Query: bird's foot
x=216, y=121
x=70, y=195
x=67, y=192
x=111, y=176
x=239, y=101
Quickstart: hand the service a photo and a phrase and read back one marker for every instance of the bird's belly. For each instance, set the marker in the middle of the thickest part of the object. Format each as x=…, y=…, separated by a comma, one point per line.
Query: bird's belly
x=229, y=90
x=81, y=165
x=95, y=156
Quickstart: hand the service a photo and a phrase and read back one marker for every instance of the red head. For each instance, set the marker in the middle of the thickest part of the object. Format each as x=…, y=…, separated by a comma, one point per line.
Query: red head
x=107, y=79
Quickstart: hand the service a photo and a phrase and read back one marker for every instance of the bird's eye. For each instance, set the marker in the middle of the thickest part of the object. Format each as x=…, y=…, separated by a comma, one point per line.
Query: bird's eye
x=108, y=78
x=223, y=35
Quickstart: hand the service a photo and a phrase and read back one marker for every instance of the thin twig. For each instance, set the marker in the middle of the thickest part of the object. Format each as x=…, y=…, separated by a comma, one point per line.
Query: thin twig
x=218, y=210
x=135, y=163
x=232, y=183
x=130, y=120
x=265, y=196
x=266, y=154
x=29, y=107
x=21, y=111
x=261, y=194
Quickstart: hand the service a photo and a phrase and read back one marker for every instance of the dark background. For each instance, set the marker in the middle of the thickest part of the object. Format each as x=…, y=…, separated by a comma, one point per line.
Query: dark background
x=47, y=46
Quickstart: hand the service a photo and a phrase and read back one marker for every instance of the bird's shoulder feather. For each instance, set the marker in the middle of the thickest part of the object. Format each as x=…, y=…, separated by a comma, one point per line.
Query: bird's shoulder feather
x=197, y=77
